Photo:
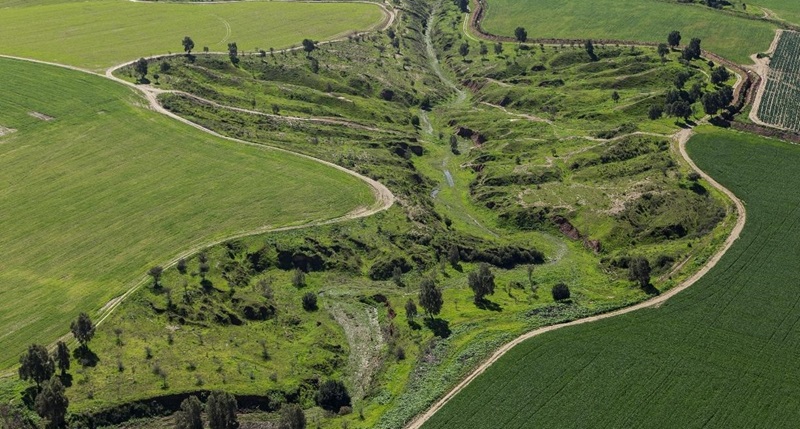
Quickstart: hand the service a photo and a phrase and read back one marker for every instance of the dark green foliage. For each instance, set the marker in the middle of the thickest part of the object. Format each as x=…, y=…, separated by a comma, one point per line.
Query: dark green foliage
x=463, y=50
x=430, y=297
x=655, y=111
x=221, y=411
x=332, y=395
x=615, y=96
x=83, y=329
x=181, y=266
x=140, y=67
x=463, y=5
x=36, y=364
x=668, y=216
x=674, y=38
x=188, y=45
x=411, y=309
x=12, y=418
x=498, y=48
x=453, y=256
x=51, y=403
x=309, y=46
x=310, y=301
x=383, y=269
x=692, y=52
x=233, y=53
x=679, y=109
x=61, y=357
x=155, y=273
x=639, y=271
x=521, y=34
x=481, y=282
x=719, y=75
x=560, y=292
x=189, y=416
x=663, y=50
x=298, y=278
x=292, y=417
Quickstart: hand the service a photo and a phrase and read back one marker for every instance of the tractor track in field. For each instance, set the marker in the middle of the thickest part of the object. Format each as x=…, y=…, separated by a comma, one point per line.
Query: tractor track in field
x=680, y=138
x=384, y=198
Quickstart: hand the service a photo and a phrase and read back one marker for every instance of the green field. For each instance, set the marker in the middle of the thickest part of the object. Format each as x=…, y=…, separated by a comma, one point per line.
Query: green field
x=92, y=198
x=781, y=95
x=787, y=10
x=648, y=20
x=721, y=354
x=102, y=33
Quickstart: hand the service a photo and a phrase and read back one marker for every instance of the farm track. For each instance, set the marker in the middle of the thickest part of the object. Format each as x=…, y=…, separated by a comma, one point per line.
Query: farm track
x=680, y=138
x=384, y=198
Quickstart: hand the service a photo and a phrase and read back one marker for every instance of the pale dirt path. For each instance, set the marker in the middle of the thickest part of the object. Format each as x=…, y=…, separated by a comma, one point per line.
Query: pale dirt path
x=384, y=199
x=761, y=67
x=681, y=138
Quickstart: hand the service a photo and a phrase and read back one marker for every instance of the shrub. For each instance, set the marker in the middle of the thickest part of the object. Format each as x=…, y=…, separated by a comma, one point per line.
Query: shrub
x=310, y=301
x=332, y=396
x=561, y=292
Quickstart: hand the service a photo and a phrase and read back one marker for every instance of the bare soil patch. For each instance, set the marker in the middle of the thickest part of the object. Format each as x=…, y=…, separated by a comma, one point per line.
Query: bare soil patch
x=5, y=130
x=41, y=116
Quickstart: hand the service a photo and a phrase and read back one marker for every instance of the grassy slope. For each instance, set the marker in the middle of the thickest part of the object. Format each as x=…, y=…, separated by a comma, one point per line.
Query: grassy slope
x=102, y=33
x=720, y=354
x=788, y=10
x=731, y=37
x=91, y=199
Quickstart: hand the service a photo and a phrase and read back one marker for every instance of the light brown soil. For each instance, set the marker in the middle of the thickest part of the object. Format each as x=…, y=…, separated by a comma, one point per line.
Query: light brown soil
x=762, y=68
x=681, y=138
x=4, y=130
x=41, y=116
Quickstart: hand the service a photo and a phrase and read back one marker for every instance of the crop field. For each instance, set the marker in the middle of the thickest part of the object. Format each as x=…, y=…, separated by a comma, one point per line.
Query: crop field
x=780, y=104
x=96, y=189
x=721, y=354
x=729, y=36
x=99, y=34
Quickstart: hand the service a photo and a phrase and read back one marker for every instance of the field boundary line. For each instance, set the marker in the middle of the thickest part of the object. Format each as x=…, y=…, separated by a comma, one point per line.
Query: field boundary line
x=680, y=138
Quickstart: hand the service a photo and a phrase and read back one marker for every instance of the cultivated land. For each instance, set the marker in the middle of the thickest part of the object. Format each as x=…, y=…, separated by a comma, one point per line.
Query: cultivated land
x=96, y=189
x=727, y=343
x=650, y=20
x=99, y=34
x=781, y=99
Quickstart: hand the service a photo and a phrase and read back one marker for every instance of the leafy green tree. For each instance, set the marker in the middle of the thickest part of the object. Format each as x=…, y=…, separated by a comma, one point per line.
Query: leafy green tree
x=711, y=103
x=463, y=50
x=292, y=417
x=332, y=395
x=498, y=48
x=679, y=109
x=61, y=357
x=36, y=364
x=430, y=298
x=309, y=46
x=655, y=112
x=83, y=329
x=189, y=416
x=310, y=301
x=663, y=50
x=560, y=292
x=453, y=255
x=481, y=282
x=140, y=68
x=639, y=270
x=719, y=75
x=411, y=309
x=521, y=34
x=188, y=45
x=221, y=411
x=12, y=418
x=181, y=266
x=589, y=46
x=674, y=38
x=233, y=53
x=615, y=96
x=483, y=49
x=52, y=403
x=693, y=51
x=155, y=273
x=463, y=5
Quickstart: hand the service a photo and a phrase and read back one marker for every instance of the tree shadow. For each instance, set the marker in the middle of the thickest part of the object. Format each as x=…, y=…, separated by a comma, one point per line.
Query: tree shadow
x=29, y=396
x=651, y=290
x=143, y=81
x=414, y=325
x=440, y=327
x=485, y=304
x=86, y=357
x=66, y=379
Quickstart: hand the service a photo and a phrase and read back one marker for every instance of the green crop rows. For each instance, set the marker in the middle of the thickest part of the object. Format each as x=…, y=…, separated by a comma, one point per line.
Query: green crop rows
x=779, y=105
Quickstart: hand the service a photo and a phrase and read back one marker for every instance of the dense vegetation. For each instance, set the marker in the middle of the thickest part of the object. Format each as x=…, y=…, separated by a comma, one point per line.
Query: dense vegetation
x=727, y=343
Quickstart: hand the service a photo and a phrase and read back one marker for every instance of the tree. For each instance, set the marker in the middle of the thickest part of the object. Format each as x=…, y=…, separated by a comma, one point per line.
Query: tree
x=397, y=276
x=655, y=112
x=615, y=96
x=233, y=53
x=298, y=278
x=453, y=255
x=181, y=266
x=674, y=38
x=679, y=109
x=681, y=78
x=498, y=48
x=51, y=403
x=332, y=395
x=463, y=5
x=639, y=270
x=560, y=292
x=589, y=46
x=189, y=415
x=292, y=417
x=11, y=418
x=719, y=75
x=711, y=103
x=309, y=46
x=221, y=411
x=663, y=50
x=188, y=45
x=310, y=301
x=481, y=282
x=155, y=273
x=140, y=68
x=693, y=51
x=411, y=309
x=521, y=34
x=430, y=298
x=483, y=49
x=463, y=50
x=61, y=357
x=83, y=329
x=36, y=364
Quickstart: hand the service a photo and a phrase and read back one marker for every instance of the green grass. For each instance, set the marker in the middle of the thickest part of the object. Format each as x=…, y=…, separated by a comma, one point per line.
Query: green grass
x=787, y=10
x=94, y=197
x=721, y=354
x=102, y=33
x=648, y=20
